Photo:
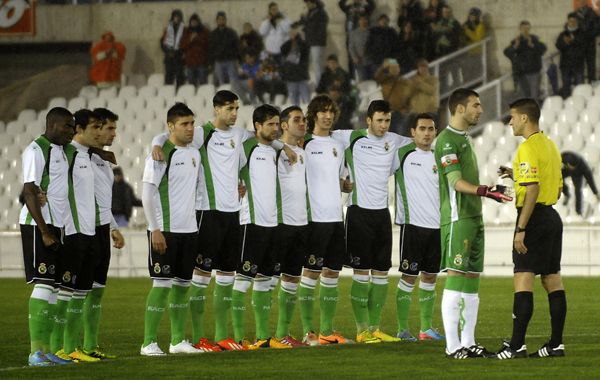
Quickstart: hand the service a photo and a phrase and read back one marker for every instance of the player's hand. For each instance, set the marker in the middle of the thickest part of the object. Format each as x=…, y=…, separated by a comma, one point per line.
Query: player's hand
x=519, y=243
x=347, y=186
x=42, y=198
x=496, y=193
x=292, y=156
x=157, y=153
x=159, y=244
x=241, y=189
x=118, y=239
x=50, y=240
x=505, y=172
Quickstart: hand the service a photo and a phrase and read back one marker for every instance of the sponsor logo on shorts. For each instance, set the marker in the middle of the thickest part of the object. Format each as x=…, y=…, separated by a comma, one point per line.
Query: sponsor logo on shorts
x=66, y=276
x=414, y=267
x=207, y=262
x=157, y=268
x=254, y=269
x=405, y=264
x=458, y=259
x=42, y=268
x=166, y=269
x=356, y=260
x=277, y=267
x=51, y=269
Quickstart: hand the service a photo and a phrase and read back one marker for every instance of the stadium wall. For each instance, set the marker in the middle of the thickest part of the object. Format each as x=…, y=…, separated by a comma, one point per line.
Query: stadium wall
x=140, y=25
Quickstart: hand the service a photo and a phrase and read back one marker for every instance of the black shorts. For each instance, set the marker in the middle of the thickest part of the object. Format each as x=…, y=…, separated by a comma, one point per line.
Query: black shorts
x=259, y=251
x=218, y=242
x=40, y=262
x=291, y=249
x=420, y=250
x=326, y=246
x=543, y=239
x=77, y=262
x=369, y=238
x=103, y=243
x=178, y=259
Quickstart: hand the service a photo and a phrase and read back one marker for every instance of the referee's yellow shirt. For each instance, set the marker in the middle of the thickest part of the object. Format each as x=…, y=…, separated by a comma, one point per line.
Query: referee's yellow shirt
x=538, y=161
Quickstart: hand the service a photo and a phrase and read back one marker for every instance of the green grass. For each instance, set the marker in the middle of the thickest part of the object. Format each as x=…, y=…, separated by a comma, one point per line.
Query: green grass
x=122, y=330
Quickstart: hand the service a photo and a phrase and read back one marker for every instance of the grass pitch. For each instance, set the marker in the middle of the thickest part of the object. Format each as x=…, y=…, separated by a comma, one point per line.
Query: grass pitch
x=122, y=332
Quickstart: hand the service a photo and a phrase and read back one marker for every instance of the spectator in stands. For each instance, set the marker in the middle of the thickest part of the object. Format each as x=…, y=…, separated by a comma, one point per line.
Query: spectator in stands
x=315, y=22
x=171, y=46
x=357, y=45
x=382, y=42
x=194, y=44
x=247, y=79
x=275, y=30
x=589, y=22
x=433, y=12
x=473, y=28
x=334, y=75
x=123, y=199
x=295, y=53
x=269, y=81
x=425, y=97
x=107, y=61
x=571, y=43
x=411, y=11
x=250, y=41
x=353, y=9
x=397, y=91
x=445, y=33
x=410, y=47
x=575, y=166
x=223, y=49
x=525, y=53
x=346, y=105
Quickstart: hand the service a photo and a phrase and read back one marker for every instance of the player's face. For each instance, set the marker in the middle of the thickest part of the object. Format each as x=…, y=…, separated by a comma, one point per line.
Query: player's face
x=296, y=124
x=228, y=112
x=182, y=130
x=424, y=133
x=269, y=129
x=517, y=122
x=64, y=131
x=379, y=124
x=108, y=132
x=473, y=111
x=90, y=135
x=325, y=119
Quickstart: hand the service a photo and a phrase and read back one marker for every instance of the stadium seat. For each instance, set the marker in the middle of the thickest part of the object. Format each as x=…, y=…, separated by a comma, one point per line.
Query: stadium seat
x=147, y=92
x=157, y=103
x=367, y=86
x=76, y=104
x=167, y=92
x=583, y=128
x=108, y=93
x=34, y=128
x=573, y=142
x=14, y=127
x=583, y=90
x=187, y=91
x=127, y=92
x=126, y=116
x=279, y=100
x=591, y=114
x=97, y=103
x=88, y=92
x=225, y=86
x=554, y=103
x=27, y=115
x=146, y=115
x=494, y=129
x=568, y=116
x=136, y=80
x=57, y=102
x=156, y=80
x=136, y=103
x=547, y=117
x=574, y=102
x=116, y=105
x=41, y=116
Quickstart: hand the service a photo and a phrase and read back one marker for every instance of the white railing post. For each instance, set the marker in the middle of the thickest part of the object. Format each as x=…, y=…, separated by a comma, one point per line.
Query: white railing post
x=484, y=60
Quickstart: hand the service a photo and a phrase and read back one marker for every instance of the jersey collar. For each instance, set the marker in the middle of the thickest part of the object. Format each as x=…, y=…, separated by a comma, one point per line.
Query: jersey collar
x=80, y=147
x=464, y=133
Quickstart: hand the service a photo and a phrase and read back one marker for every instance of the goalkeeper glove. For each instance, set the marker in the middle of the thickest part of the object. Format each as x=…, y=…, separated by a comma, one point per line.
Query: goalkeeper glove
x=495, y=193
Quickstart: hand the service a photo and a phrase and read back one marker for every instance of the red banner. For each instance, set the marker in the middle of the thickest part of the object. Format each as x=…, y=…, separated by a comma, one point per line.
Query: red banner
x=17, y=17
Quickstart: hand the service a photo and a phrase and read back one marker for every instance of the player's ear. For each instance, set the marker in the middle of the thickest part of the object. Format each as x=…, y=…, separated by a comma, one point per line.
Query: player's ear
x=170, y=126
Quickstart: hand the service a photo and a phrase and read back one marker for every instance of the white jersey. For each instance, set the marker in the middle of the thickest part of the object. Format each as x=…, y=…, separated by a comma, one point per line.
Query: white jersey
x=82, y=201
x=51, y=176
x=417, y=187
x=259, y=205
x=324, y=168
x=176, y=179
x=104, y=178
x=369, y=159
x=292, y=188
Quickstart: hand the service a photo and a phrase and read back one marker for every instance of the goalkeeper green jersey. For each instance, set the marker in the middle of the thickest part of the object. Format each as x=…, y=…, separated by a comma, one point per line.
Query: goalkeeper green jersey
x=454, y=151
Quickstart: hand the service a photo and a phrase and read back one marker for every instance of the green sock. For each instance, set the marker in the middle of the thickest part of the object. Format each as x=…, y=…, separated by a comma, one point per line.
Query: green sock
x=50, y=321
x=238, y=311
x=328, y=297
x=57, y=336
x=377, y=297
x=359, y=298
x=261, y=303
x=287, y=302
x=306, y=303
x=74, y=322
x=426, y=303
x=221, y=305
x=178, y=307
x=403, y=300
x=197, y=304
x=38, y=316
x=92, y=309
x=155, y=308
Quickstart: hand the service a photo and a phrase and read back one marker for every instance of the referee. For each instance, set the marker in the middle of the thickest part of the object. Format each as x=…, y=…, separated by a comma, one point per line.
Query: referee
x=538, y=234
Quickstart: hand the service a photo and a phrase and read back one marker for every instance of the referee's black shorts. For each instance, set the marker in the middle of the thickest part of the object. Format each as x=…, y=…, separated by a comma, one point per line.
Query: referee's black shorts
x=543, y=239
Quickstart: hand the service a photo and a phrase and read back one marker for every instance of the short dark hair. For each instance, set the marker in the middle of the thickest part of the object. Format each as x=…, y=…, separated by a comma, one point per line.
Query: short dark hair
x=378, y=106
x=332, y=57
x=525, y=22
x=57, y=114
x=106, y=115
x=320, y=103
x=383, y=16
x=263, y=113
x=421, y=116
x=460, y=96
x=83, y=117
x=284, y=116
x=221, y=14
x=178, y=110
x=527, y=106
x=272, y=3
x=572, y=15
x=223, y=97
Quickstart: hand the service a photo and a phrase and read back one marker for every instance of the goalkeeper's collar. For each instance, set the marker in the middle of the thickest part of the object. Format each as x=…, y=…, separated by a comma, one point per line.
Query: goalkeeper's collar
x=458, y=132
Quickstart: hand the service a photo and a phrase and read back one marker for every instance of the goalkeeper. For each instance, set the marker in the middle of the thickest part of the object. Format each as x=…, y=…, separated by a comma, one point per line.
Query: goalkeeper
x=461, y=227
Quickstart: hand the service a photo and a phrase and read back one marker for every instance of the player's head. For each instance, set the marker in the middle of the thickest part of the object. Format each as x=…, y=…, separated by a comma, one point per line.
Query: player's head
x=322, y=113
x=60, y=126
x=226, y=104
x=266, y=122
x=108, y=128
x=465, y=104
x=379, y=117
x=523, y=112
x=423, y=130
x=293, y=122
x=87, y=130
x=180, y=121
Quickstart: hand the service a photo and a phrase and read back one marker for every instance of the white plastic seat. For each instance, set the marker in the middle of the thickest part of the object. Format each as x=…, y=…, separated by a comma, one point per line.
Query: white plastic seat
x=186, y=91
x=167, y=91
x=279, y=100
x=57, y=102
x=554, y=103
x=147, y=92
x=108, y=93
x=33, y=128
x=573, y=142
x=127, y=92
x=494, y=129
x=146, y=115
x=126, y=115
x=583, y=128
x=14, y=127
x=590, y=115
x=156, y=80
x=583, y=90
x=137, y=103
x=97, y=103
x=76, y=104
x=225, y=86
x=568, y=117
x=547, y=117
x=157, y=103
x=88, y=92
x=574, y=102
x=366, y=86
x=27, y=116
x=116, y=105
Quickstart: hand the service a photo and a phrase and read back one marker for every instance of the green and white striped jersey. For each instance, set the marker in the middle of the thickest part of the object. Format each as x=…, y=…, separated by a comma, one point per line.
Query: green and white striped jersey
x=291, y=187
x=82, y=202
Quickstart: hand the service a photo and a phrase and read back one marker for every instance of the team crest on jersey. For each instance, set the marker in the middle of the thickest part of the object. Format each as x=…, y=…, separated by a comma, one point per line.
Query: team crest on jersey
x=386, y=146
x=301, y=159
x=335, y=153
x=405, y=264
x=232, y=143
x=458, y=260
x=66, y=277
x=157, y=268
x=524, y=168
x=42, y=268
x=194, y=161
x=434, y=169
x=247, y=266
